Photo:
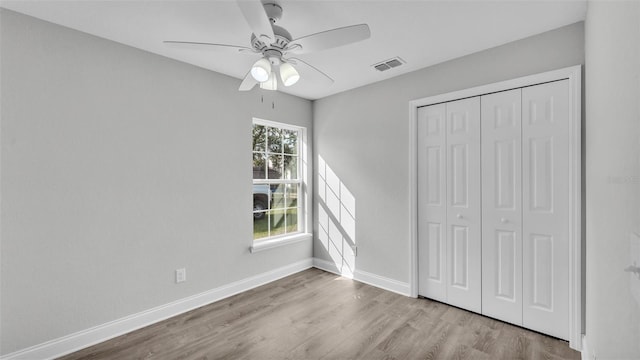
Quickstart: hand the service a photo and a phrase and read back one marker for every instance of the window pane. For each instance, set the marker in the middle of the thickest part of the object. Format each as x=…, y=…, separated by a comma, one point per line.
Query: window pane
x=261, y=226
x=277, y=222
x=277, y=196
x=274, y=137
x=292, y=220
x=259, y=166
x=275, y=166
x=290, y=167
x=261, y=197
x=259, y=137
x=292, y=195
x=290, y=141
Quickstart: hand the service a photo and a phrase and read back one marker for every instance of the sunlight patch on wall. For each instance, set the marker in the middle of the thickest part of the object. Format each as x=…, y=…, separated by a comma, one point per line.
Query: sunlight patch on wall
x=336, y=219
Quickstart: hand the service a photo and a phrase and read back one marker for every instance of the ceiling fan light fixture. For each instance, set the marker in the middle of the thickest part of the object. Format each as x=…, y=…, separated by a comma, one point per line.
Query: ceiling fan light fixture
x=261, y=70
x=274, y=43
x=271, y=83
x=288, y=74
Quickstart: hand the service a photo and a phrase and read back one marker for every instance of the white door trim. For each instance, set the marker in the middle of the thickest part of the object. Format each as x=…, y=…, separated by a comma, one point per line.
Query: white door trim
x=574, y=75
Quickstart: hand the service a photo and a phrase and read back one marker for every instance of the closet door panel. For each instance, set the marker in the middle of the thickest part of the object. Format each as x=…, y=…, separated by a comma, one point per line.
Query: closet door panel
x=463, y=204
x=432, y=215
x=502, y=206
x=545, y=208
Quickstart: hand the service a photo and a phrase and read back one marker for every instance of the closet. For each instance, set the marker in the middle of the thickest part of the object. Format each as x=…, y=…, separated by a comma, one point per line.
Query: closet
x=493, y=205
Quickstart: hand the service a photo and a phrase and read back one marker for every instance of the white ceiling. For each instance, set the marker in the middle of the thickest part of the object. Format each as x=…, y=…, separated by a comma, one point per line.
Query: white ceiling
x=422, y=33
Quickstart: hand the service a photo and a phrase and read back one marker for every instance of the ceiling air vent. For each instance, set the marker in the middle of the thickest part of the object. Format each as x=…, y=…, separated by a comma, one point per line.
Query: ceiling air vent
x=389, y=64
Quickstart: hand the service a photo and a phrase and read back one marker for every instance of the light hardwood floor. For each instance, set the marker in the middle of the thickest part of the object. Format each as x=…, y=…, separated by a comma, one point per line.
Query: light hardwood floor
x=318, y=315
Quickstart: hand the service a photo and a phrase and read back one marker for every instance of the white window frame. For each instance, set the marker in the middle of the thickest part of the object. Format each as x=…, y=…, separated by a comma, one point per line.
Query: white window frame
x=303, y=233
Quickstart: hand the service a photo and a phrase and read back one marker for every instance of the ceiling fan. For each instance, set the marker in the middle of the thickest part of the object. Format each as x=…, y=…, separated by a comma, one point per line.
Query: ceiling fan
x=276, y=45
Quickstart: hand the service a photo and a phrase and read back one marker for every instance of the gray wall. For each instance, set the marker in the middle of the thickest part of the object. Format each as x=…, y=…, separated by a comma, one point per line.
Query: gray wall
x=119, y=166
x=612, y=42
x=363, y=136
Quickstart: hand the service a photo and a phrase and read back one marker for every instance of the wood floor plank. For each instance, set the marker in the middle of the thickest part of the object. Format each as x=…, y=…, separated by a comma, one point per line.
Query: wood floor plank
x=333, y=329
x=360, y=340
x=318, y=315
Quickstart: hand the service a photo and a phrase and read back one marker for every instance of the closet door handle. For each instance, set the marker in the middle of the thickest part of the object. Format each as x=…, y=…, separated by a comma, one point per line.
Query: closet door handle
x=504, y=220
x=459, y=216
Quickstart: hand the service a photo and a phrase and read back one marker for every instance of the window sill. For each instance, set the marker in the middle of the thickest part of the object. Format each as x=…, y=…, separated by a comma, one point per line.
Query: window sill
x=285, y=240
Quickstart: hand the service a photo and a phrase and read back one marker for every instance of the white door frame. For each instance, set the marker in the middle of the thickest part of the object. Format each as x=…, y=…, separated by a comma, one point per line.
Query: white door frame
x=574, y=75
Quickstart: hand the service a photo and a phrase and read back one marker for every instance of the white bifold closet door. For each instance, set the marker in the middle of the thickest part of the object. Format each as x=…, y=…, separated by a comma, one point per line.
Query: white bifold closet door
x=449, y=203
x=432, y=203
x=502, y=206
x=525, y=247
x=493, y=205
x=545, y=208
x=463, y=204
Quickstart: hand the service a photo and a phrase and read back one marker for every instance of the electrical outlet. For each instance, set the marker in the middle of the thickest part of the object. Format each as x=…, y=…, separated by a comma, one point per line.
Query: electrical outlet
x=181, y=275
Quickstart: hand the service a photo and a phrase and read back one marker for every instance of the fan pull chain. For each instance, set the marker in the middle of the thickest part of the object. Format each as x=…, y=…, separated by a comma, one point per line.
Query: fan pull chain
x=273, y=103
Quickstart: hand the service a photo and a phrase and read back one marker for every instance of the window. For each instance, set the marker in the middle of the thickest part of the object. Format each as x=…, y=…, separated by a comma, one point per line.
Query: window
x=277, y=180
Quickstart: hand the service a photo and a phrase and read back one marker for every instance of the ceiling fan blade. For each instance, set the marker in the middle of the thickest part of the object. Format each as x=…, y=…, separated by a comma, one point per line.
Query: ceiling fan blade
x=257, y=18
x=311, y=72
x=248, y=83
x=331, y=38
x=206, y=46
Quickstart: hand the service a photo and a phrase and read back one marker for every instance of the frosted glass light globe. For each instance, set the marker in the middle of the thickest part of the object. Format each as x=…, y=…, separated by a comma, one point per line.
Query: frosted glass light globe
x=288, y=74
x=261, y=70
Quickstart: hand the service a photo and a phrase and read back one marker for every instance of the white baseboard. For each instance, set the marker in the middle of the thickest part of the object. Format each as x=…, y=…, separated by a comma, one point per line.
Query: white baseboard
x=585, y=353
x=395, y=286
x=85, y=338
x=382, y=282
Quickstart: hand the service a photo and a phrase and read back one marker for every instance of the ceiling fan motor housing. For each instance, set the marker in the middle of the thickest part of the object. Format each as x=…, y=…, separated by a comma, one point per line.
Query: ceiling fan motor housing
x=282, y=39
